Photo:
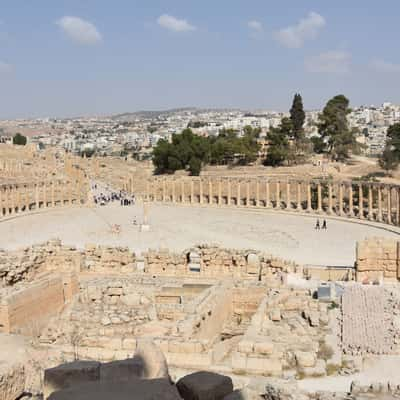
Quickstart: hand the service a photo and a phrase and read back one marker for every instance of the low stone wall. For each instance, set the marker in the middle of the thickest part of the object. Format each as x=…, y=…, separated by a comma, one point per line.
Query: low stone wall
x=203, y=262
x=206, y=261
x=378, y=260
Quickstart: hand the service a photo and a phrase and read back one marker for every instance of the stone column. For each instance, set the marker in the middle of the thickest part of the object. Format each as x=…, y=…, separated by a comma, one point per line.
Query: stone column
x=71, y=194
x=164, y=190
x=210, y=192
x=397, y=206
x=248, y=194
x=351, y=210
x=53, y=202
x=330, y=199
x=340, y=186
x=45, y=195
x=191, y=191
x=257, y=192
x=12, y=196
x=389, y=204
x=201, y=191
x=238, y=200
x=360, y=201
x=173, y=191
x=182, y=190
x=155, y=186
x=309, y=205
x=36, y=196
x=379, y=204
x=319, y=196
x=370, y=203
x=229, y=192
x=19, y=195
x=288, y=201
x=219, y=192
x=299, y=205
x=267, y=202
x=147, y=196
x=278, y=194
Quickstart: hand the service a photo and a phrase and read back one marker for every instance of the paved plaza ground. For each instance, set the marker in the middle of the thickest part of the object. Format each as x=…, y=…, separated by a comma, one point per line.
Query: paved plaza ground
x=180, y=227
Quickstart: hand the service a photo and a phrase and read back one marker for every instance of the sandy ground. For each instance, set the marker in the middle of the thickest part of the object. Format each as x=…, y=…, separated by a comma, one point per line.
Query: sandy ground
x=177, y=228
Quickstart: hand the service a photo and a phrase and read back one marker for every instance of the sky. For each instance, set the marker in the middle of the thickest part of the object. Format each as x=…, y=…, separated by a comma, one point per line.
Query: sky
x=65, y=58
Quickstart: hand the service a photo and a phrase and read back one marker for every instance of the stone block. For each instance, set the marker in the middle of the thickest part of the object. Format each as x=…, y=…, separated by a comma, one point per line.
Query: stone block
x=69, y=375
x=244, y=394
x=129, y=344
x=264, y=366
x=204, y=386
x=305, y=359
x=246, y=346
x=239, y=362
x=153, y=359
x=263, y=348
x=276, y=315
x=123, y=370
x=317, y=371
x=136, y=389
x=131, y=300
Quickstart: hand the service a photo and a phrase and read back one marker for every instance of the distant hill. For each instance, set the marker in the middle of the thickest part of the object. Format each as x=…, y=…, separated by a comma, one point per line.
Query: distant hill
x=161, y=113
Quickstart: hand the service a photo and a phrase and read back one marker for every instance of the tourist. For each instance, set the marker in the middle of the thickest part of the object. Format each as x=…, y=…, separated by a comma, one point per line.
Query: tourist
x=317, y=226
x=324, y=224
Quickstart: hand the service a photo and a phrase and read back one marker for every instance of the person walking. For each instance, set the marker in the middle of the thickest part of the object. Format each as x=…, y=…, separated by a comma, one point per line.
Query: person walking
x=317, y=226
x=324, y=224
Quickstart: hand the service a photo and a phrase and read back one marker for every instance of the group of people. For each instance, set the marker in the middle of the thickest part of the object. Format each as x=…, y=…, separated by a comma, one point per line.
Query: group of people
x=105, y=196
x=318, y=226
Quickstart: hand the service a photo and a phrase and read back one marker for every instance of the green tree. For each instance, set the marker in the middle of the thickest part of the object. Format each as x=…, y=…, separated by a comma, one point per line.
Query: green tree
x=279, y=148
x=19, y=139
x=190, y=152
x=298, y=117
x=334, y=129
x=318, y=144
x=195, y=166
x=390, y=158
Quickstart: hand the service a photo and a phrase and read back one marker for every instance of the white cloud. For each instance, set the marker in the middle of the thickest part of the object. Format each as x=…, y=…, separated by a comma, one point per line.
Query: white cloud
x=255, y=26
x=174, y=24
x=308, y=28
x=79, y=30
x=337, y=62
x=385, y=66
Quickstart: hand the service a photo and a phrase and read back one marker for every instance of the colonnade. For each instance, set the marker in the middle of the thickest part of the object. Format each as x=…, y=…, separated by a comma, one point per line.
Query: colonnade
x=19, y=198
x=11, y=167
x=353, y=199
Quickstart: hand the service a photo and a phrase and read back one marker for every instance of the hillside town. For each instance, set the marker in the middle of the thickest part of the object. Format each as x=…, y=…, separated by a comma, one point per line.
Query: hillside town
x=137, y=133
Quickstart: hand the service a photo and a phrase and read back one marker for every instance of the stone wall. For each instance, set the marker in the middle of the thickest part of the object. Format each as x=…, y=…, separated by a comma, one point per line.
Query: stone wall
x=284, y=335
x=207, y=261
x=378, y=260
x=28, y=309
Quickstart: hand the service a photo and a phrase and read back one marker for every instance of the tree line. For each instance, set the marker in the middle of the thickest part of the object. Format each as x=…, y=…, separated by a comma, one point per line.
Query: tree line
x=189, y=151
x=287, y=143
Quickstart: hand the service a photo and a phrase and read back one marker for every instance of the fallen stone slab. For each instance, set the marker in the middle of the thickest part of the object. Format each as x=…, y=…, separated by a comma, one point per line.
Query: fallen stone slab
x=204, y=386
x=69, y=375
x=136, y=389
x=244, y=394
x=121, y=370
